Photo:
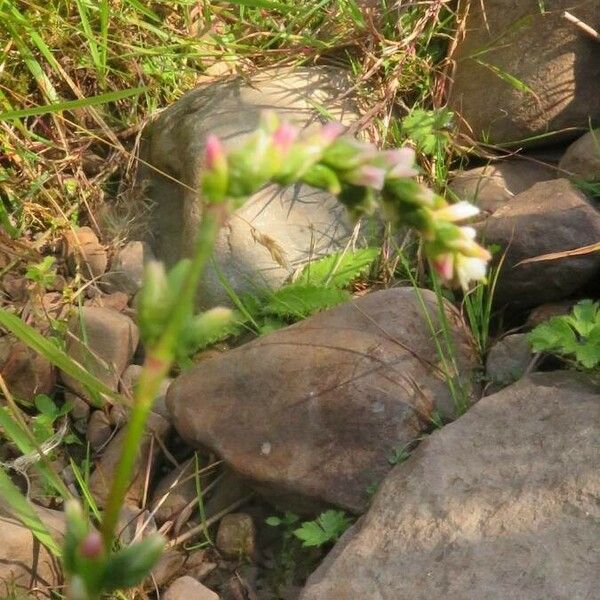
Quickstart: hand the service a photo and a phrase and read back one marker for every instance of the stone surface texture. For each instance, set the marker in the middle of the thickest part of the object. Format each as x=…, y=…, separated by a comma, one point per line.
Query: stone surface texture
x=582, y=158
x=311, y=413
x=552, y=216
x=502, y=503
x=558, y=63
x=304, y=222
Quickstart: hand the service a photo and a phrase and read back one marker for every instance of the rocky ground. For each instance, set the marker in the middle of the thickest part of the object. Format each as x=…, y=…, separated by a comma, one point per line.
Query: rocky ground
x=350, y=408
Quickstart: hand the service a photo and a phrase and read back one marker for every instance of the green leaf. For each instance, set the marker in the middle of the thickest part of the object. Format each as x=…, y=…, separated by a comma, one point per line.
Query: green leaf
x=338, y=270
x=132, y=564
x=299, y=301
x=45, y=405
x=32, y=338
x=586, y=316
x=327, y=527
x=427, y=128
x=588, y=353
x=555, y=334
x=70, y=104
x=273, y=521
x=25, y=513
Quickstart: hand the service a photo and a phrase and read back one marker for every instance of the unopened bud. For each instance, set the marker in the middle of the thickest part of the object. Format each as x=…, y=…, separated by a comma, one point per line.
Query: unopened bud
x=91, y=546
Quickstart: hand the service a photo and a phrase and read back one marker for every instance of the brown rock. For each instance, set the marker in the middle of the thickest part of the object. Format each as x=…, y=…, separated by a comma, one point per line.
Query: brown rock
x=25, y=372
x=546, y=311
x=111, y=341
x=550, y=217
x=236, y=536
x=582, y=158
x=101, y=478
x=24, y=563
x=310, y=414
x=188, y=588
x=99, y=430
x=79, y=413
x=168, y=566
x=507, y=361
x=85, y=253
x=507, y=42
x=494, y=185
x=127, y=268
x=501, y=503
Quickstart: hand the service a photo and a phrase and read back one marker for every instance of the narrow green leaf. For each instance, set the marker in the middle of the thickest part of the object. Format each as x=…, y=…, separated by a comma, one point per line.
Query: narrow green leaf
x=25, y=513
x=29, y=336
x=268, y=4
x=71, y=104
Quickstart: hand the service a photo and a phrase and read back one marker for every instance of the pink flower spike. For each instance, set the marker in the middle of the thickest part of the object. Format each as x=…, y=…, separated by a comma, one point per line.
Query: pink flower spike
x=331, y=131
x=91, y=546
x=444, y=266
x=457, y=212
x=400, y=162
x=368, y=176
x=214, y=153
x=284, y=136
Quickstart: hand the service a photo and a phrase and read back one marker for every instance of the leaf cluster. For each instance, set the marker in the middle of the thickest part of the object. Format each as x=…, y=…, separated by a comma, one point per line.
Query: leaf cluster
x=575, y=337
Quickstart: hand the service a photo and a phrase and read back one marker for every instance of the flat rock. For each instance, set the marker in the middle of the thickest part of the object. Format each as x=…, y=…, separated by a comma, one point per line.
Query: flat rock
x=311, y=413
x=493, y=185
x=111, y=339
x=186, y=588
x=557, y=68
x=552, y=216
x=85, y=253
x=102, y=477
x=582, y=158
x=302, y=221
x=24, y=563
x=502, y=503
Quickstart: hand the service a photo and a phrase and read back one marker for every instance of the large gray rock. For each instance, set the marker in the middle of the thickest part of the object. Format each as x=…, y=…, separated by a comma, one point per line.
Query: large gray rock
x=543, y=51
x=311, y=414
x=552, y=216
x=502, y=503
x=493, y=185
x=304, y=222
x=582, y=158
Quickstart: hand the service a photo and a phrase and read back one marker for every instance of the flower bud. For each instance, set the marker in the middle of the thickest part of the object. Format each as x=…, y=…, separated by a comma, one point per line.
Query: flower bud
x=91, y=546
x=215, y=178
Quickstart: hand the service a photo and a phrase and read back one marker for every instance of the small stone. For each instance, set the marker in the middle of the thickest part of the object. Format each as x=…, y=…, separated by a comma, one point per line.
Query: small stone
x=493, y=185
x=188, y=588
x=236, y=536
x=129, y=380
x=85, y=253
x=127, y=268
x=582, y=158
x=15, y=286
x=134, y=523
x=228, y=490
x=79, y=413
x=26, y=372
x=541, y=314
x=199, y=566
x=168, y=566
x=101, y=478
x=99, y=430
x=118, y=301
x=111, y=341
x=507, y=361
x=179, y=486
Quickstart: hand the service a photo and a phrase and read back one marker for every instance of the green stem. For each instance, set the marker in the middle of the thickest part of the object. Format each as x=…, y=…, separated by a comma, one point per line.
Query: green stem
x=156, y=367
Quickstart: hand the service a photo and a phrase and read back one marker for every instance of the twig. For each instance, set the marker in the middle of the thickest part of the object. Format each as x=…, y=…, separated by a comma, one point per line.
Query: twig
x=590, y=31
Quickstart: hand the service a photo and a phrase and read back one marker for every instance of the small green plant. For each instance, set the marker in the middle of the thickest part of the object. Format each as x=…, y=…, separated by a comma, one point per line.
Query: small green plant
x=327, y=528
x=428, y=129
x=42, y=273
x=574, y=337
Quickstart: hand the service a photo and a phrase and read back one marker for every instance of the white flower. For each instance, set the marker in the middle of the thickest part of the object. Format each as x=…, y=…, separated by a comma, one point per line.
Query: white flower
x=456, y=212
x=469, y=268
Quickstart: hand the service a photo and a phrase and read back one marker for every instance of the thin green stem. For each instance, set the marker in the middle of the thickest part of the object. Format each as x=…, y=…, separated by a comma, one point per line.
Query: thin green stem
x=156, y=367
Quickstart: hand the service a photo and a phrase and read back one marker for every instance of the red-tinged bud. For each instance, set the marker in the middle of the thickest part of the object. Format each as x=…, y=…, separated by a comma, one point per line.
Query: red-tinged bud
x=284, y=137
x=367, y=176
x=331, y=131
x=400, y=162
x=91, y=546
x=214, y=154
x=444, y=266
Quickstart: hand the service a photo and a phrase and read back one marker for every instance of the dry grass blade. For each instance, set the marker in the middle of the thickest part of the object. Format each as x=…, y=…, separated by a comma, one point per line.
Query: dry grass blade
x=563, y=254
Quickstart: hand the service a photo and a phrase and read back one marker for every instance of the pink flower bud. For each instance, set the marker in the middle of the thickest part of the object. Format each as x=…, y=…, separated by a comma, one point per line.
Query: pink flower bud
x=331, y=131
x=214, y=153
x=444, y=266
x=91, y=546
x=368, y=176
x=400, y=162
x=284, y=137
